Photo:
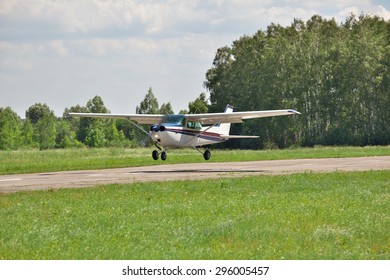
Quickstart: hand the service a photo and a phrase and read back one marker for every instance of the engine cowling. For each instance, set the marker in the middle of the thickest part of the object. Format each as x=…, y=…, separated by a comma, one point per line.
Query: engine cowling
x=157, y=128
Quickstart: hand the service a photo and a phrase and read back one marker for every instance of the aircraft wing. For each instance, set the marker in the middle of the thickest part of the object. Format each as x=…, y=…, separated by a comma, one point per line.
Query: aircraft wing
x=237, y=117
x=139, y=118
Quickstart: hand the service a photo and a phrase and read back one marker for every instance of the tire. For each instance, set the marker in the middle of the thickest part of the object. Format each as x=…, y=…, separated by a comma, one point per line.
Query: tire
x=155, y=155
x=207, y=155
x=163, y=155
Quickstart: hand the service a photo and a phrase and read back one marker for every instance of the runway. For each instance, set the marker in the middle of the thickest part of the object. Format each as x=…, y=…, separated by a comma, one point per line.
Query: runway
x=190, y=171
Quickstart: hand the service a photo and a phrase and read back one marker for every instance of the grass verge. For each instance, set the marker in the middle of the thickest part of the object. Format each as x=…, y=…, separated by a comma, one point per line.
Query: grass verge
x=300, y=216
x=32, y=161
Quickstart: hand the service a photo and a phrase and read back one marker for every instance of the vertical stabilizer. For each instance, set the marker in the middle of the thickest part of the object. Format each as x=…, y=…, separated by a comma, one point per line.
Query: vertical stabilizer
x=224, y=128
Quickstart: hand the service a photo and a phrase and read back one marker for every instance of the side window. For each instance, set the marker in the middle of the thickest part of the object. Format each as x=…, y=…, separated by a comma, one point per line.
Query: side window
x=198, y=126
x=194, y=125
x=191, y=124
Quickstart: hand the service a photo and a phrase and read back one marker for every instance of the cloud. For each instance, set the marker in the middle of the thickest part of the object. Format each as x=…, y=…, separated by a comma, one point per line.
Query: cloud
x=65, y=52
x=381, y=11
x=58, y=46
x=53, y=20
x=91, y=16
x=67, y=16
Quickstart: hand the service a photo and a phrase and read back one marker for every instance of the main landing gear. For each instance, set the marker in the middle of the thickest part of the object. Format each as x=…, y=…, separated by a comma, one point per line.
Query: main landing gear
x=206, y=154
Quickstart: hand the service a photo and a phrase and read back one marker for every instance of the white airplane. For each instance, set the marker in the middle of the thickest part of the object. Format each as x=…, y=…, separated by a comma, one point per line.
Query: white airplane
x=187, y=130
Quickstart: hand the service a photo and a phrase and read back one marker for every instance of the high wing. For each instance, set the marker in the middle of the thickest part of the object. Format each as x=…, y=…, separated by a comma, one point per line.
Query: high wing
x=139, y=118
x=237, y=117
x=209, y=118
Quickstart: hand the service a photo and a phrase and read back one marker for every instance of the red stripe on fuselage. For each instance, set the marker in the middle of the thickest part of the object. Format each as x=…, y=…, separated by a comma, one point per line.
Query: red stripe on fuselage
x=201, y=134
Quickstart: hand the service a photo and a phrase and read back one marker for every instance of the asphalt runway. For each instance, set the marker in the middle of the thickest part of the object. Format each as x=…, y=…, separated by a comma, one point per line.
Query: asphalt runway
x=190, y=171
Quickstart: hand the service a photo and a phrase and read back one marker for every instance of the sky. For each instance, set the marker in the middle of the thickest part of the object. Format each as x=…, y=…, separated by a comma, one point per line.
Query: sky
x=63, y=53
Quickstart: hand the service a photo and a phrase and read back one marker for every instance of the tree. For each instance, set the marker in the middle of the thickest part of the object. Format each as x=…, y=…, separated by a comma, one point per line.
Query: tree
x=217, y=78
x=149, y=105
x=66, y=137
x=95, y=137
x=94, y=105
x=126, y=127
x=37, y=111
x=10, y=129
x=28, y=134
x=114, y=136
x=166, y=109
x=199, y=106
x=46, y=132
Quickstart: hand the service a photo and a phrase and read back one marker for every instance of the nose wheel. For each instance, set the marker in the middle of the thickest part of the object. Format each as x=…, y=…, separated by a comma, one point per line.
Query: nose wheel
x=156, y=155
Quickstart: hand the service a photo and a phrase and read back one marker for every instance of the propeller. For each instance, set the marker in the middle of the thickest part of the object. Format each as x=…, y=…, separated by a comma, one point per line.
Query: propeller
x=154, y=128
x=145, y=142
x=147, y=138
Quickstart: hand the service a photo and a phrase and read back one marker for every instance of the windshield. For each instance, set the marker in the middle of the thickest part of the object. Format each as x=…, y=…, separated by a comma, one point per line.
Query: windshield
x=174, y=119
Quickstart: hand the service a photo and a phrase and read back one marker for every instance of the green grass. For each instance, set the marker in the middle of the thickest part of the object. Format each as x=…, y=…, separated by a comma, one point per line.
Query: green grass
x=32, y=161
x=300, y=216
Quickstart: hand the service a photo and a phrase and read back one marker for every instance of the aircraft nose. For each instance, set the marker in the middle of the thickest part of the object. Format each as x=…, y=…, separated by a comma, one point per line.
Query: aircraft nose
x=155, y=136
x=157, y=128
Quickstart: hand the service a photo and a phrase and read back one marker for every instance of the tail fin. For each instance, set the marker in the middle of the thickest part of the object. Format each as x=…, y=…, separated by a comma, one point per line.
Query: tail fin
x=224, y=128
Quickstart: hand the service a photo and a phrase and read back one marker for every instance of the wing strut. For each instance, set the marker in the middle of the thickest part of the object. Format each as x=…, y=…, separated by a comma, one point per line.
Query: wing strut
x=140, y=128
x=200, y=133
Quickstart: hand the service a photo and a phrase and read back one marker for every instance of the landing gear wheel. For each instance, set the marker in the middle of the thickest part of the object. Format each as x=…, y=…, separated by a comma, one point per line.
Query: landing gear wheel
x=207, y=154
x=155, y=155
x=163, y=155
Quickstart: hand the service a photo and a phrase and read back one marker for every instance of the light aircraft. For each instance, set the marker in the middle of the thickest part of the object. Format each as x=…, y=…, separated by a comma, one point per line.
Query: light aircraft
x=188, y=130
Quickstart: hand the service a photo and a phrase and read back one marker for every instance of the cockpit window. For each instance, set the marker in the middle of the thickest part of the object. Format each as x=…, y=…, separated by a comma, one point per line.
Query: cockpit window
x=180, y=120
x=194, y=125
x=174, y=119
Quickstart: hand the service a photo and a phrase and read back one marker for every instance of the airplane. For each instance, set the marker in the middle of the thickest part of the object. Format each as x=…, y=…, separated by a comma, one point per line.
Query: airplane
x=188, y=130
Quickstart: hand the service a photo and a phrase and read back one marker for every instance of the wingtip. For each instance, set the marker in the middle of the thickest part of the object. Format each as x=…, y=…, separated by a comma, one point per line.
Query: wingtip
x=294, y=112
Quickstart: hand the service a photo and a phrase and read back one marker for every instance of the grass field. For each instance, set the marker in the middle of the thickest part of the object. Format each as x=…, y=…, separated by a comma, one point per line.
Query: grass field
x=32, y=161
x=300, y=216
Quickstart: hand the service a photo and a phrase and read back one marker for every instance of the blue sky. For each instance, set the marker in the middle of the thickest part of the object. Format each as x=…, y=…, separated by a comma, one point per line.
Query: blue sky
x=63, y=53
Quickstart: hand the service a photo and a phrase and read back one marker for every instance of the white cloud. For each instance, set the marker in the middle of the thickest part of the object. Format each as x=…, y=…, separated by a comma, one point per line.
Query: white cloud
x=382, y=12
x=53, y=20
x=118, y=49
x=373, y=10
x=58, y=46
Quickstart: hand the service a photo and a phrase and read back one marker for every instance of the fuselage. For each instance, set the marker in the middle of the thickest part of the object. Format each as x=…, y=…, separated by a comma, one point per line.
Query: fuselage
x=176, y=131
x=182, y=137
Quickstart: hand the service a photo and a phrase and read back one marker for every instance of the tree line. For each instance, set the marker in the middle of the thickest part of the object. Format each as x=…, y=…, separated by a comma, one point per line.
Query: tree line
x=42, y=129
x=336, y=75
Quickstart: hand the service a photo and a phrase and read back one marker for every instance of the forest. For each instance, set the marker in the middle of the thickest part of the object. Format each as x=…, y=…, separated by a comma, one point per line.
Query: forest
x=42, y=129
x=336, y=74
